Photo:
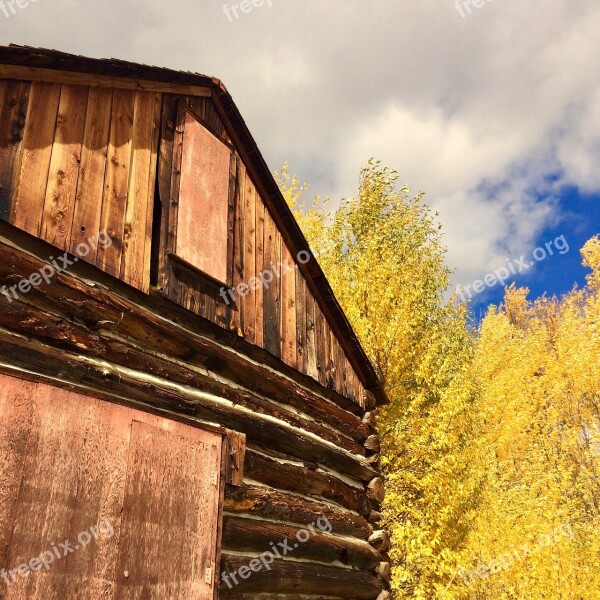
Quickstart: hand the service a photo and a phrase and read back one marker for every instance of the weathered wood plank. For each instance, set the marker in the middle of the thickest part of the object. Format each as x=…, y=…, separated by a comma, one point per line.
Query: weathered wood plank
x=338, y=364
x=229, y=308
x=321, y=345
x=116, y=187
x=140, y=197
x=297, y=578
x=244, y=534
x=301, y=479
x=237, y=236
x=249, y=277
x=90, y=187
x=165, y=242
x=288, y=308
x=173, y=289
x=260, y=291
x=14, y=96
x=59, y=204
x=152, y=244
x=325, y=341
x=272, y=292
x=272, y=504
x=312, y=360
x=38, y=138
x=16, y=398
x=354, y=384
x=234, y=463
x=301, y=323
x=348, y=380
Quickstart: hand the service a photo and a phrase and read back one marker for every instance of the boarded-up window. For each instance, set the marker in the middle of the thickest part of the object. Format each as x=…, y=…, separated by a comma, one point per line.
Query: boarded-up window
x=202, y=220
x=69, y=463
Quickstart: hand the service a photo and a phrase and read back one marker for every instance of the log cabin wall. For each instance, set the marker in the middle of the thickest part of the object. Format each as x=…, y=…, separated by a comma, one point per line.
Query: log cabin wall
x=139, y=327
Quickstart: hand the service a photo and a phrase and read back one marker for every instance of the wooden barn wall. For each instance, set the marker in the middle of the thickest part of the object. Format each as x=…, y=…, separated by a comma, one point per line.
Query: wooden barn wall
x=284, y=318
x=77, y=160
x=309, y=452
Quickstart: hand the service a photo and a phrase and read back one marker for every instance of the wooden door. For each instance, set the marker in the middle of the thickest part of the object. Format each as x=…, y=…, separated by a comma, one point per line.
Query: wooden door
x=69, y=463
x=170, y=513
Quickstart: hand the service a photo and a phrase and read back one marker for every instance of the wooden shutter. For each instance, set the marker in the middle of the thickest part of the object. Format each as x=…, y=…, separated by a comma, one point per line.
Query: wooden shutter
x=203, y=208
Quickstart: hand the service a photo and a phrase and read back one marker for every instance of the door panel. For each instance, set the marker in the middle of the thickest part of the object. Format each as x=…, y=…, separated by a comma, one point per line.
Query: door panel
x=69, y=463
x=166, y=538
x=47, y=495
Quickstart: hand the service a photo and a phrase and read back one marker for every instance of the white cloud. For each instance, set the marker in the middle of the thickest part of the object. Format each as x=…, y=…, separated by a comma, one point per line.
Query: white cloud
x=476, y=112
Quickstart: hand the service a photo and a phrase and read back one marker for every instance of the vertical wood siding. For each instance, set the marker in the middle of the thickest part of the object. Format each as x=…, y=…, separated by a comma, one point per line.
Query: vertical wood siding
x=137, y=228
x=13, y=108
x=77, y=160
x=281, y=316
x=289, y=333
x=61, y=188
x=237, y=239
x=27, y=202
x=116, y=185
x=272, y=289
x=90, y=187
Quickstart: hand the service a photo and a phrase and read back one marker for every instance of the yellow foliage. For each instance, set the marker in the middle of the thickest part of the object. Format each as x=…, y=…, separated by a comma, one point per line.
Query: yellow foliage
x=538, y=370
x=492, y=438
x=383, y=255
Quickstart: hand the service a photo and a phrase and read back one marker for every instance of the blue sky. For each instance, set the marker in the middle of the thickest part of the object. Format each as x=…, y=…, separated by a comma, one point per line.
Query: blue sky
x=579, y=220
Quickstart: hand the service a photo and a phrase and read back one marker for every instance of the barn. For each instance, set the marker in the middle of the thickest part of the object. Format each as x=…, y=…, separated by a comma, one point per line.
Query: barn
x=185, y=411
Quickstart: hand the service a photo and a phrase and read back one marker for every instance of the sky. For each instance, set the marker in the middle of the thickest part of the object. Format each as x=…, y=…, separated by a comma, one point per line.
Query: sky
x=492, y=111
